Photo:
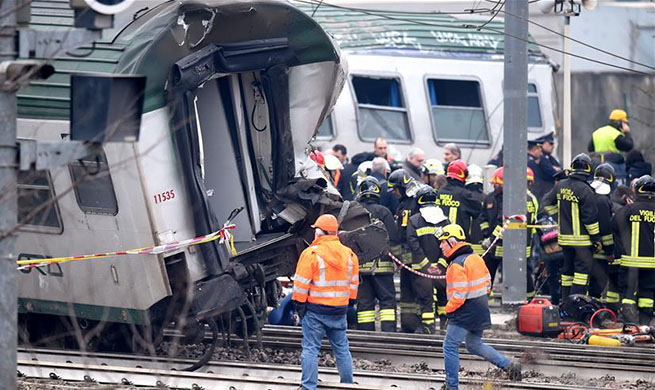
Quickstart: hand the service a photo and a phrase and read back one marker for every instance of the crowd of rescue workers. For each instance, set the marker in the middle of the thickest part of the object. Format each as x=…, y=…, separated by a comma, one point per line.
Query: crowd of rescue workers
x=590, y=241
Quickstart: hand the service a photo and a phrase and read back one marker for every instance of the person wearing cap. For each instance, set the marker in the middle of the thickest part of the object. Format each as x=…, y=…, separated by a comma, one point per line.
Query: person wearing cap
x=542, y=182
x=325, y=284
x=467, y=286
x=548, y=147
x=614, y=137
x=548, y=164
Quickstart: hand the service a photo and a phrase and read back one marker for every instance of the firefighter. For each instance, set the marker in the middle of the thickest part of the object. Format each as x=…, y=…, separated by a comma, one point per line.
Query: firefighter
x=634, y=227
x=572, y=199
x=426, y=255
x=475, y=183
x=468, y=284
x=376, y=276
x=458, y=203
x=404, y=188
x=603, y=263
x=492, y=220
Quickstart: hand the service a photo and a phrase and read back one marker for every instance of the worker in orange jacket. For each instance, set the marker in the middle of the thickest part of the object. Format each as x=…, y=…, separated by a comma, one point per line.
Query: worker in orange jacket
x=325, y=284
x=467, y=285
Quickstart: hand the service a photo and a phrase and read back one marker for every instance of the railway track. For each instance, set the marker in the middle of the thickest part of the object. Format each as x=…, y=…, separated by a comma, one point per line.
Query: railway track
x=546, y=357
x=166, y=372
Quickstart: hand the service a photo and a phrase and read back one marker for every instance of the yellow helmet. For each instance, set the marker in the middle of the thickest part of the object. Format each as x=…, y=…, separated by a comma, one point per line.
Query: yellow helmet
x=452, y=230
x=433, y=167
x=619, y=115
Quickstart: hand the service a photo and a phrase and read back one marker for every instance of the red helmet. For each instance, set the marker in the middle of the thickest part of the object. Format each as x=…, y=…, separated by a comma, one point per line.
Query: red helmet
x=530, y=175
x=497, y=177
x=457, y=170
x=317, y=157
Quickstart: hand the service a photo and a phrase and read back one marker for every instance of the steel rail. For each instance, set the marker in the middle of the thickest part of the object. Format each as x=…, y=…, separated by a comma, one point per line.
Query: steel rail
x=161, y=371
x=548, y=358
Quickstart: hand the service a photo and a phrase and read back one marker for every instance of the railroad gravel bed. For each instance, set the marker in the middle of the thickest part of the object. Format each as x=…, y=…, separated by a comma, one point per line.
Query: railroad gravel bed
x=326, y=359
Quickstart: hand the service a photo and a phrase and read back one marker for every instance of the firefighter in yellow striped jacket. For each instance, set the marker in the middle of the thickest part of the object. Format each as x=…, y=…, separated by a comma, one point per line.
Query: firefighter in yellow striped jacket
x=579, y=232
x=634, y=243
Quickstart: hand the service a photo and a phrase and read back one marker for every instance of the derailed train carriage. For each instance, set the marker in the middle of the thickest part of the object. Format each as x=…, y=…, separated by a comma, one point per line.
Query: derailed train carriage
x=235, y=91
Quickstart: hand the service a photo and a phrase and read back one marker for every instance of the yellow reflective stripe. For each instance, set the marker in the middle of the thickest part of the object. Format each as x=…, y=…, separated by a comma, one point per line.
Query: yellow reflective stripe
x=367, y=316
x=575, y=218
x=452, y=214
x=387, y=314
x=634, y=243
x=484, y=225
x=405, y=218
x=425, y=231
x=645, y=302
x=422, y=264
x=628, y=301
x=551, y=210
x=607, y=240
x=531, y=294
x=580, y=279
x=443, y=262
x=638, y=262
x=497, y=231
x=566, y=280
x=593, y=228
x=612, y=297
x=441, y=310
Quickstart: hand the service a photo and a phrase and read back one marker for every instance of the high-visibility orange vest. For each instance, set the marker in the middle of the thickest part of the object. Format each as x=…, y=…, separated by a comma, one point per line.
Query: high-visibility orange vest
x=467, y=277
x=327, y=273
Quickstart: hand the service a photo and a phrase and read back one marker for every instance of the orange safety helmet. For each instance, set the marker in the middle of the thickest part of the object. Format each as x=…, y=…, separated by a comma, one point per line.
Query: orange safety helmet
x=497, y=176
x=327, y=223
x=457, y=170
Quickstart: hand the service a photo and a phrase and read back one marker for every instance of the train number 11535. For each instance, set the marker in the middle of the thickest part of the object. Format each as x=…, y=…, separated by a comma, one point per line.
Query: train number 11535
x=164, y=196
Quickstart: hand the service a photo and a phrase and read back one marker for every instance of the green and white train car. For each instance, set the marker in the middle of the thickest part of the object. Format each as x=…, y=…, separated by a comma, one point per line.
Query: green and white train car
x=235, y=91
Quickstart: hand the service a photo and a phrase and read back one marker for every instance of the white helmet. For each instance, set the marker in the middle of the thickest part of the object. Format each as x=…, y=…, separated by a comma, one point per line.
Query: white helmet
x=332, y=163
x=475, y=175
x=364, y=169
x=434, y=167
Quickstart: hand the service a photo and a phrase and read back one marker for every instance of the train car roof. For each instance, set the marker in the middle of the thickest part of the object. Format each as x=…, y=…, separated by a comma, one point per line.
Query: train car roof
x=370, y=31
x=160, y=36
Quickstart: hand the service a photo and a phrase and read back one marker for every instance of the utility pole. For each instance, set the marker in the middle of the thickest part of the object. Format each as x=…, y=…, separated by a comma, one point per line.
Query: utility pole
x=566, y=160
x=515, y=151
x=8, y=203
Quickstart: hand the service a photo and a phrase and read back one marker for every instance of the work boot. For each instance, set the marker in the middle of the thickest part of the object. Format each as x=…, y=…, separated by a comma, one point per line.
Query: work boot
x=443, y=322
x=630, y=313
x=645, y=317
x=426, y=329
x=514, y=371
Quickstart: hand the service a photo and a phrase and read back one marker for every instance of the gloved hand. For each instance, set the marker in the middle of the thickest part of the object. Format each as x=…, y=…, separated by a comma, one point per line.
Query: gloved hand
x=301, y=308
x=486, y=243
x=610, y=259
x=598, y=247
x=435, y=270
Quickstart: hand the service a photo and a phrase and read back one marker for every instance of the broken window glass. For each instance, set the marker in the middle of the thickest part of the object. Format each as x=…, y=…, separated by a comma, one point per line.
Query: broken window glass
x=457, y=111
x=94, y=189
x=534, y=111
x=37, y=206
x=381, y=109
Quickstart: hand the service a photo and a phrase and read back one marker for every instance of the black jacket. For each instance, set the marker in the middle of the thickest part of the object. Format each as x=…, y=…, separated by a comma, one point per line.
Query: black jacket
x=573, y=200
x=424, y=244
x=348, y=183
x=387, y=198
x=475, y=234
x=459, y=204
x=604, y=205
x=633, y=226
x=384, y=264
x=492, y=219
x=413, y=171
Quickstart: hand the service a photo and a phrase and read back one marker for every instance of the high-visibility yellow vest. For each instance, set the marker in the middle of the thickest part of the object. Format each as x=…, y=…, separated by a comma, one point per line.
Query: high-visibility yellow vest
x=604, y=139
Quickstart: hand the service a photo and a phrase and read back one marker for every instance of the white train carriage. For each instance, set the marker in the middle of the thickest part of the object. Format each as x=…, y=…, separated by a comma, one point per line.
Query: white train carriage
x=235, y=91
x=424, y=80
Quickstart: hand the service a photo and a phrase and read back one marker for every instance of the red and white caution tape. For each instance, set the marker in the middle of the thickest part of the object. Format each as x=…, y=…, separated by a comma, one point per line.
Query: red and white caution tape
x=224, y=235
x=410, y=269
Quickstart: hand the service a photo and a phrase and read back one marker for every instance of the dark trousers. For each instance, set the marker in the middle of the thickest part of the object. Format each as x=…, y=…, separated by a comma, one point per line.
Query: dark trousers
x=612, y=298
x=637, y=287
x=416, y=301
x=598, y=277
x=378, y=289
x=554, y=263
x=440, y=297
x=575, y=270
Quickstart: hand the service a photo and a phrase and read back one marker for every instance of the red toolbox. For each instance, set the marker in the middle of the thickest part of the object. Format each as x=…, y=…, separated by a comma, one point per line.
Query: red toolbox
x=538, y=318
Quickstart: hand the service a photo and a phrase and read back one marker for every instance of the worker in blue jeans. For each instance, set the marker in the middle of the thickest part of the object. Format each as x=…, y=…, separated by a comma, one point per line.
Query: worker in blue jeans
x=467, y=285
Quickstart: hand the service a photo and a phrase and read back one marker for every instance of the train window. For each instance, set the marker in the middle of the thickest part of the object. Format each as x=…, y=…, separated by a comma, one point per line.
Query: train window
x=94, y=189
x=326, y=130
x=37, y=205
x=534, y=110
x=457, y=111
x=381, y=110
